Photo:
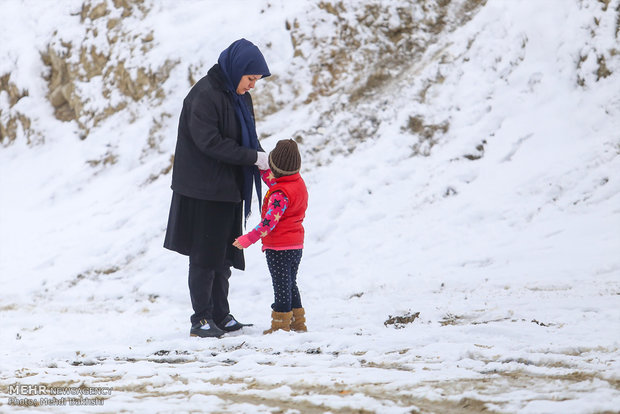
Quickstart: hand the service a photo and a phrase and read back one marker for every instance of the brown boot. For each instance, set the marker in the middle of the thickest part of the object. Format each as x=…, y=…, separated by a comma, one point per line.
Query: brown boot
x=298, y=324
x=279, y=320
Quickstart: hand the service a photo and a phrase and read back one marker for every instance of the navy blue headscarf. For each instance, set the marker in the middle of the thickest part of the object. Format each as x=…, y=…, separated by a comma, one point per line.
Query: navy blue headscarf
x=239, y=59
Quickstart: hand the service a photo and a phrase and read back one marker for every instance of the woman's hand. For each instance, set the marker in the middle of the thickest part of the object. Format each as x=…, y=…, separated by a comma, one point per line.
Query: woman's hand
x=262, y=160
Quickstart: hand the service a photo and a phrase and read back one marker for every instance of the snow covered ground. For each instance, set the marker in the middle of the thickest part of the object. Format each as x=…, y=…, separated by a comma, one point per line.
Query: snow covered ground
x=464, y=257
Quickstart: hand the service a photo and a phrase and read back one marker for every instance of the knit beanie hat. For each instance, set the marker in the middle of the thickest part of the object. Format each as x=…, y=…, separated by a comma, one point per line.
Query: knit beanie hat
x=285, y=158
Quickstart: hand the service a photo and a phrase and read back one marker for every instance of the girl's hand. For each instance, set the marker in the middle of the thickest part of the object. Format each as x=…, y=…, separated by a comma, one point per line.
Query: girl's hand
x=237, y=244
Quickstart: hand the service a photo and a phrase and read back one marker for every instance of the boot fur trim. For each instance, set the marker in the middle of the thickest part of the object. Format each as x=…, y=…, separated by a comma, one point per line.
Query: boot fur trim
x=280, y=321
x=298, y=323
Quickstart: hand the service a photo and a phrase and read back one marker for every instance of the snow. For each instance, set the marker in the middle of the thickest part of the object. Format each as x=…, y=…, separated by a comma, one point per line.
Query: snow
x=511, y=258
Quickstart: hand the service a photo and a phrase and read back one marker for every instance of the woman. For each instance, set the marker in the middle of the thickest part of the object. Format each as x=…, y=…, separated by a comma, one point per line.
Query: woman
x=214, y=170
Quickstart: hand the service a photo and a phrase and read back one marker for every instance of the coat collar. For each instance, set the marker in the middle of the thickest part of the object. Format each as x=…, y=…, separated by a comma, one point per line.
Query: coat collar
x=217, y=78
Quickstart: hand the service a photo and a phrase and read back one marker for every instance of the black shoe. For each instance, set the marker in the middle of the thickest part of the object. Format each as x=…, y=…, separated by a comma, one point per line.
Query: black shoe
x=230, y=324
x=206, y=328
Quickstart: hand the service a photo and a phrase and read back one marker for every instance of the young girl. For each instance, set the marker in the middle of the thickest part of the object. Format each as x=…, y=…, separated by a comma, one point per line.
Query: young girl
x=282, y=234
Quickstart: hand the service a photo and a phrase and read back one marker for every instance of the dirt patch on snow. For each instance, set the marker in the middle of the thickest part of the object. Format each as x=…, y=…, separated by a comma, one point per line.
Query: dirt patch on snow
x=178, y=375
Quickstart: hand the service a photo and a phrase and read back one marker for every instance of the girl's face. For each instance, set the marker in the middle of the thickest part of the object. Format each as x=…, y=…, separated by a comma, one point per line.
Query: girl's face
x=247, y=82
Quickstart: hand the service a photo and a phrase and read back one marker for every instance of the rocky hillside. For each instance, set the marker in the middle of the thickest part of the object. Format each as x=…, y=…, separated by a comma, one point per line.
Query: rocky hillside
x=344, y=63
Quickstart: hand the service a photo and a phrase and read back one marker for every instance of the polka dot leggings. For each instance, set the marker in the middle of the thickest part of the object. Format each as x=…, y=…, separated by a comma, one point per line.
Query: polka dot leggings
x=283, y=265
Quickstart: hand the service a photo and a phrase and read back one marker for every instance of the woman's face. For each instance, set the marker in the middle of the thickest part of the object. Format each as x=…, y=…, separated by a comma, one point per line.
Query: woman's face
x=247, y=82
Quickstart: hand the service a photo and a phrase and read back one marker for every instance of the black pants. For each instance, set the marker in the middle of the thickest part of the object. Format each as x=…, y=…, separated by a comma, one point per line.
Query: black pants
x=216, y=224
x=283, y=266
x=208, y=289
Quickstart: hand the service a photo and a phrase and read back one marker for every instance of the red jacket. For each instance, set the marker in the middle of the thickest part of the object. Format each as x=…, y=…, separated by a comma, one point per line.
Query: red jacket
x=289, y=231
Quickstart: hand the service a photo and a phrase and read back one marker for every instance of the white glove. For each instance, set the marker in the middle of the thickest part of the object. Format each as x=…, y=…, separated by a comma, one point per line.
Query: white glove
x=262, y=160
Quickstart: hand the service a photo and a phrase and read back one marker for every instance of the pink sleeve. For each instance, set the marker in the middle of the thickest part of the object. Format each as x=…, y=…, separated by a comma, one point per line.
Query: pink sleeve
x=248, y=239
x=276, y=206
x=268, y=177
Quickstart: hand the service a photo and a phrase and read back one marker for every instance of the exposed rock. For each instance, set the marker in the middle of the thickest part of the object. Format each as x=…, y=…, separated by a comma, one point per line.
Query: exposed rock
x=145, y=82
x=365, y=40
x=98, y=11
x=109, y=158
x=12, y=120
x=66, y=104
x=15, y=94
x=127, y=6
x=426, y=134
x=399, y=321
x=595, y=64
x=9, y=127
x=602, y=71
x=357, y=51
x=74, y=65
x=112, y=23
